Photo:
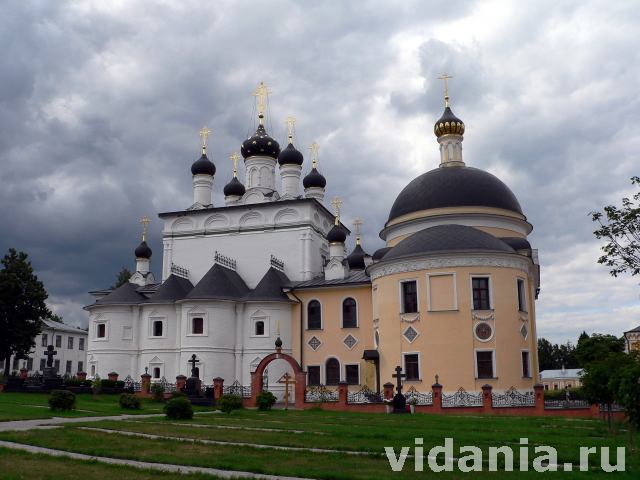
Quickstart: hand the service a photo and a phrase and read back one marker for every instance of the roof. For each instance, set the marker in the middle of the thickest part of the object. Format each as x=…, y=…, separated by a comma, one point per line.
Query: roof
x=269, y=289
x=219, y=283
x=454, y=187
x=126, y=293
x=634, y=330
x=356, y=277
x=517, y=243
x=561, y=373
x=446, y=238
x=172, y=289
x=61, y=327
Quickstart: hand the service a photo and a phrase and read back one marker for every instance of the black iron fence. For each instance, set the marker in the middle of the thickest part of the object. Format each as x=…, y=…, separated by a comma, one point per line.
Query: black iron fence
x=236, y=388
x=364, y=395
x=320, y=394
x=513, y=398
x=461, y=398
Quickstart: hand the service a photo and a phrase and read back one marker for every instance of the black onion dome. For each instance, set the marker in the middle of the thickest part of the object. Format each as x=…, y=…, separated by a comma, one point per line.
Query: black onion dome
x=260, y=144
x=234, y=187
x=314, y=179
x=448, y=123
x=337, y=234
x=290, y=156
x=203, y=166
x=356, y=258
x=454, y=187
x=143, y=250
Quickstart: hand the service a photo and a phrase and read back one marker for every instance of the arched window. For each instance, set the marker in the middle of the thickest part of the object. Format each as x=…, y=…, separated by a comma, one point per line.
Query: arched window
x=349, y=313
x=259, y=328
x=314, y=315
x=332, y=371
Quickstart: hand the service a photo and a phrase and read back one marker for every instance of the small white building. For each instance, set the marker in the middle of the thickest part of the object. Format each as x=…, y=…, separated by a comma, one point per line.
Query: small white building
x=70, y=343
x=561, y=378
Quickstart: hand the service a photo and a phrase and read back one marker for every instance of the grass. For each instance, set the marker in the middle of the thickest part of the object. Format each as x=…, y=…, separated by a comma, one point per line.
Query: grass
x=332, y=430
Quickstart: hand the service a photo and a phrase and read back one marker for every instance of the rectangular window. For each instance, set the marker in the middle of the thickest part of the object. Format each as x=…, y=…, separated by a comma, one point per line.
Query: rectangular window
x=197, y=326
x=157, y=328
x=56, y=365
x=412, y=366
x=68, y=367
x=522, y=299
x=16, y=363
x=409, y=296
x=43, y=364
x=480, y=287
x=352, y=374
x=70, y=343
x=81, y=344
x=526, y=371
x=80, y=366
x=156, y=372
x=484, y=363
x=29, y=364
x=45, y=339
x=313, y=373
x=58, y=341
x=101, y=330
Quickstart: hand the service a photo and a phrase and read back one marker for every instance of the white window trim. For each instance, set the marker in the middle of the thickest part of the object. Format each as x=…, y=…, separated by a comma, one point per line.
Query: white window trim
x=525, y=293
x=481, y=275
x=404, y=336
x=376, y=341
x=154, y=319
x=493, y=331
x=493, y=359
x=159, y=364
x=528, y=360
x=55, y=340
x=455, y=291
x=323, y=370
x=205, y=325
x=306, y=315
x=267, y=326
x=96, y=338
x=342, y=312
x=320, y=368
x=345, y=372
x=401, y=297
x=404, y=365
x=347, y=346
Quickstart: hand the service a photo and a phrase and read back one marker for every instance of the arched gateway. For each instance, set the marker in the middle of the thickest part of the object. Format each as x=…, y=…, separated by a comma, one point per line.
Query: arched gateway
x=300, y=376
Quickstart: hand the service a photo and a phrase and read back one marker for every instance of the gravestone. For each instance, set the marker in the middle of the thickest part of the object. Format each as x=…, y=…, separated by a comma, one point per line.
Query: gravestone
x=399, y=400
x=51, y=379
x=193, y=386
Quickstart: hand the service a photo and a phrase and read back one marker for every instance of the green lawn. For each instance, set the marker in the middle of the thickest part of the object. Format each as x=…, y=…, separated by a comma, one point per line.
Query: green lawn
x=336, y=431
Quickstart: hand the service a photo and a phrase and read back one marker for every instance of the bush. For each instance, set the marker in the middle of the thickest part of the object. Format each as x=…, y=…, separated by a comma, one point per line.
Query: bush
x=265, y=400
x=157, y=391
x=129, y=401
x=111, y=384
x=96, y=386
x=561, y=394
x=179, y=408
x=76, y=382
x=228, y=403
x=62, y=400
x=177, y=394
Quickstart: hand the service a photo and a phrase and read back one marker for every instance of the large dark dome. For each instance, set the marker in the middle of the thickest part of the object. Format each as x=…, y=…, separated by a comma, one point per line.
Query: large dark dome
x=454, y=187
x=260, y=144
x=143, y=250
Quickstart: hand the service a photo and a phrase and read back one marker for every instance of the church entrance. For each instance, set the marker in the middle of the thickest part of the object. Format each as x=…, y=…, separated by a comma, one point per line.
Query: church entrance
x=295, y=383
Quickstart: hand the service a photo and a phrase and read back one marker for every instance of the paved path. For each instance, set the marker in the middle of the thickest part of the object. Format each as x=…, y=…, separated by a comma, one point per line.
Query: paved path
x=166, y=467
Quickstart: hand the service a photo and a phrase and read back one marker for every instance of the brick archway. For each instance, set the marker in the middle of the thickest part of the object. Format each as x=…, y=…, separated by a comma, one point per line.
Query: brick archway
x=299, y=374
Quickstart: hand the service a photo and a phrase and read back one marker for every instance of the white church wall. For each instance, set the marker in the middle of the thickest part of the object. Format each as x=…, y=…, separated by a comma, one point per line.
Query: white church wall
x=113, y=352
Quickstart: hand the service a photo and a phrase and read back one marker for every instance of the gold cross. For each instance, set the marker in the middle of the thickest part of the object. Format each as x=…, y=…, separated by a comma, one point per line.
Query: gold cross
x=337, y=203
x=204, y=134
x=234, y=158
x=445, y=77
x=144, y=221
x=357, y=223
x=314, y=154
x=261, y=93
x=291, y=121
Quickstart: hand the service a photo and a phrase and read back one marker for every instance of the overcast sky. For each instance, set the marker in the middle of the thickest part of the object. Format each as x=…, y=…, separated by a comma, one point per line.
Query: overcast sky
x=101, y=103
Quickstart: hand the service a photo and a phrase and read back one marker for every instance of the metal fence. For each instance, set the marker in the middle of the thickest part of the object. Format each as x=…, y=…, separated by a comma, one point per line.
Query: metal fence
x=320, y=393
x=236, y=388
x=132, y=386
x=461, y=398
x=413, y=395
x=565, y=404
x=513, y=398
x=364, y=395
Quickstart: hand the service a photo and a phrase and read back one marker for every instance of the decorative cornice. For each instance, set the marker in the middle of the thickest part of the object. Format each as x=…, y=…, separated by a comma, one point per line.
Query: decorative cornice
x=410, y=317
x=483, y=318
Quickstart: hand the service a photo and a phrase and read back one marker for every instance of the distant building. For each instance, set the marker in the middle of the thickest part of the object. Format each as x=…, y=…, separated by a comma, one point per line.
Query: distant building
x=561, y=379
x=632, y=338
x=70, y=343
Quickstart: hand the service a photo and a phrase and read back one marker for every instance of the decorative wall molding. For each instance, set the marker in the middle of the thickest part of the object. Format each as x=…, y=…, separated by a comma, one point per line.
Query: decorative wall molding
x=483, y=318
x=410, y=317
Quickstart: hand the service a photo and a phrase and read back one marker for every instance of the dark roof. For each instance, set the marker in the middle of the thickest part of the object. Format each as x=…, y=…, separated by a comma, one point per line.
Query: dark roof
x=126, y=293
x=356, y=258
x=448, y=123
x=337, y=234
x=234, y=187
x=637, y=329
x=269, y=289
x=203, y=166
x=314, y=179
x=290, y=156
x=260, y=144
x=370, y=355
x=172, y=289
x=143, y=250
x=356, y=277
x=454, y=187
x=446, y=238
x=219, y=283
x=381, y=252
x=517, y=243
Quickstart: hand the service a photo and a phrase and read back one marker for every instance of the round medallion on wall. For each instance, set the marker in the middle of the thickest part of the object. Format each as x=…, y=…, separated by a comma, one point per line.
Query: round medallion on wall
x=483, y=331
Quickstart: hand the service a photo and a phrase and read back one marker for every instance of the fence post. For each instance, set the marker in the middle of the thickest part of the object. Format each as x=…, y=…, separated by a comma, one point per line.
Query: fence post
x=82, y=376
x=113, y=376
x=539, y=393
x=301, y=386
x=146, y=383
x=181, y=383
x=24, y=373
x=487, y=403
x=388, y=391
x=436, y=392
x=343, y=388
x=218, y=388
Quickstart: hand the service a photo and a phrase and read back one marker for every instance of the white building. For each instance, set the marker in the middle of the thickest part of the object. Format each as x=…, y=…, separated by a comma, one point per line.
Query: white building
x=561, y=378
x=70, y=344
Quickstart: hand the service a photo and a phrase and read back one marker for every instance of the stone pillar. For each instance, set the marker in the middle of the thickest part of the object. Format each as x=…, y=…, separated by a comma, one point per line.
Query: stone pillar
x=146, y=383
x=181, y=382
x=24, y=373
x=343, y=390
x=436, y=391
x=256, y=387
x=218, y=388
x=82, y=376
x=388, y=391
x=301, y=386
x=538, y=390
x=487, y=398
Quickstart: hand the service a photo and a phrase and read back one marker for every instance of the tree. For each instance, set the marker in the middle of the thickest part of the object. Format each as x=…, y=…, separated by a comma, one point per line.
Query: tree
x=554, y=356
x=597, y=347
x=545, y=354
x=626, y=385
x=22, y=306
x=123, y=277
x=620, y=227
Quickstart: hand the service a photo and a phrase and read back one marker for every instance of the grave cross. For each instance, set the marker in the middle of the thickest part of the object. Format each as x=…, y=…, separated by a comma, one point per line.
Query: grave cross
x=399, y=376
x=49, y=353
x=193, y=363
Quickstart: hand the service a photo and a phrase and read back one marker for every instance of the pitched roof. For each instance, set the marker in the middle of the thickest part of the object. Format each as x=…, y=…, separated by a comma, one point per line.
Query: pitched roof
x=637, y=329
x=561, y=373
x=269, y=289
x=61, y=327
x=172, y=289
x=219, y=283
x=356, y=277
x=125, y=294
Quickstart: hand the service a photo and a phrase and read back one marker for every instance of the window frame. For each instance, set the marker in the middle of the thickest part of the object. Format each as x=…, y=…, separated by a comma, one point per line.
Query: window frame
x=493, y=362
x=319, y=367
x=404, y=366
x=321, y=327
x=522, y=364
x=68, y=368
x=81, y=343
x=521, y=296
x=489, y=291
x=58, y=343
x=355, y=312
x=80, y=366
x=43, y=364
x=56, y=365
x=152, y=327
x=205, y=324
x=339, y=370
x=70, y=342
x=401, y=292
x=45, y=340
x=346, y=376
x=97, y=336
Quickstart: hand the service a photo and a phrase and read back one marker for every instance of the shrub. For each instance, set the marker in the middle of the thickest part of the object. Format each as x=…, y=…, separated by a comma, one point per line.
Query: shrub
x=179, y=408
x=265, y=400
x=157, y=391
x=96, y=386
x=177, y=394
x=111, y=384
x=129, y=401
x=228, y=403
x=62, y=400
x=561, y=394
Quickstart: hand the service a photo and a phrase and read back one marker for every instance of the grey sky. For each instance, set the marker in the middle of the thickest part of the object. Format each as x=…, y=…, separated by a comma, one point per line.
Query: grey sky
x=101, y=102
